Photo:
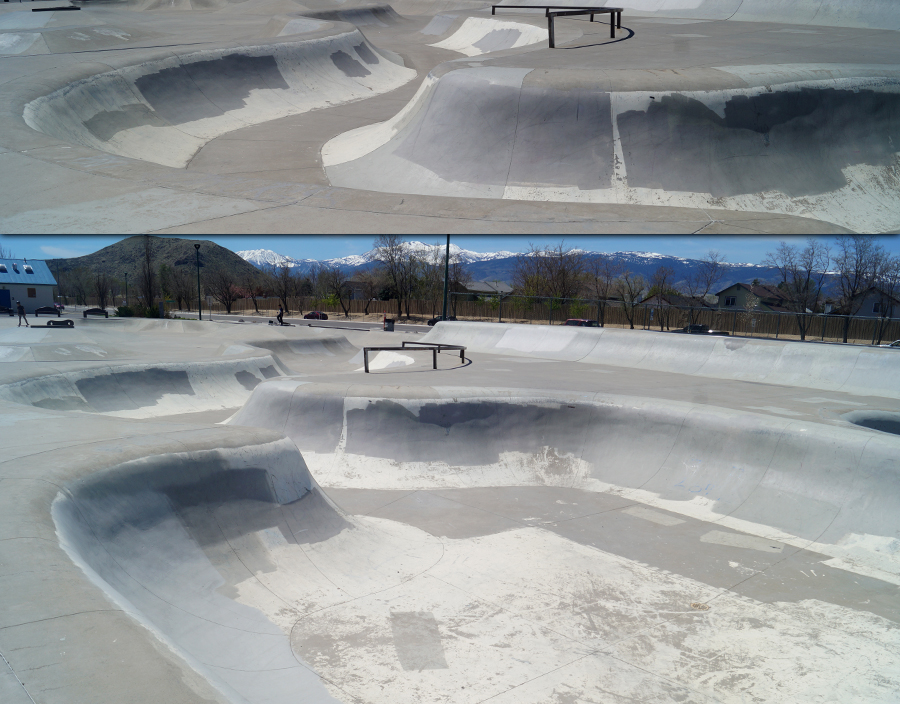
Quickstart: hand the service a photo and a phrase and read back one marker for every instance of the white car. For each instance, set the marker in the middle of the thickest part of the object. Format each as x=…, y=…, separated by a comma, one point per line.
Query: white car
x=894, y=345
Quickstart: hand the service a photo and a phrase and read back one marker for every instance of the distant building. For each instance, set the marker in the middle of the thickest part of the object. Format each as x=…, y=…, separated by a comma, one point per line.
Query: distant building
x=770, y=298
x=27, y=281
x=489, y=288
x=877, y=304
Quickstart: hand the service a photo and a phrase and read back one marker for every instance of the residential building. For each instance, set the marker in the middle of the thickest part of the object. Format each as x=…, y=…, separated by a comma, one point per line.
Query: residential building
x=768, y=298
x=877, y=304
x=27, y=281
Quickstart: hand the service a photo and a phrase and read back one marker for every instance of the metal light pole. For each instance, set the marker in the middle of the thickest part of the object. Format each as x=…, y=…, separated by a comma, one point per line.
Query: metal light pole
x=199, y=304
x=126, y=288
x=446, y=276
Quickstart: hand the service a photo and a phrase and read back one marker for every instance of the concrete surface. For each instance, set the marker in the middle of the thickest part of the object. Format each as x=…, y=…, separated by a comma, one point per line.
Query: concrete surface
x=434, y=116
x=220, y=511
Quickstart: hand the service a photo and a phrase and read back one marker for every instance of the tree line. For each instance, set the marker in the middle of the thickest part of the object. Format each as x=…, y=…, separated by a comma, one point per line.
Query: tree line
x=396, y=271
x=808, y=275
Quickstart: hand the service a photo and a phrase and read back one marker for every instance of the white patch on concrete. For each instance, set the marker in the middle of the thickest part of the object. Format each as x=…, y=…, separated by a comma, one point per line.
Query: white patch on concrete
x=386, y=360
x=776, y=410
x=736, y=540
x=475, y=29
x=648, y=514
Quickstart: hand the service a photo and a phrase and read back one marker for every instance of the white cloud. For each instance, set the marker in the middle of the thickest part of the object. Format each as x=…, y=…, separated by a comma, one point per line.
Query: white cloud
x=62, y=252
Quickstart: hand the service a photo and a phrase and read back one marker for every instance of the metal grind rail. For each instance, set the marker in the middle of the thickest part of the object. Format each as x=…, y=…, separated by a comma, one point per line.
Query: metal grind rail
x=408, y=346
x=551, y=12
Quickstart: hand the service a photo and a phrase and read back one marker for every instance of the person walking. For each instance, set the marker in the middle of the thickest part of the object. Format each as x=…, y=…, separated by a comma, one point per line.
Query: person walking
x=20, y=309
x=280, y=315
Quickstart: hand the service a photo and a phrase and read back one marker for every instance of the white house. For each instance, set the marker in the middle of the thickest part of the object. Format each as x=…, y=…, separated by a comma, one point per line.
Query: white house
x=27, y=281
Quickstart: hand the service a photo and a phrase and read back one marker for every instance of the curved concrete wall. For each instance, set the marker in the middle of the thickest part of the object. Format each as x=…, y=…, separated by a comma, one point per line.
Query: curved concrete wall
x=145, y=390
x=860, y=370
x=818, y=141
x=164, y=111
x=796, y=482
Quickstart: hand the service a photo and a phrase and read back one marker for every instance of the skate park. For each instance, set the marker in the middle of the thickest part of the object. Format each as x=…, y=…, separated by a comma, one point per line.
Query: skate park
x=443, y=116
x=197, y=511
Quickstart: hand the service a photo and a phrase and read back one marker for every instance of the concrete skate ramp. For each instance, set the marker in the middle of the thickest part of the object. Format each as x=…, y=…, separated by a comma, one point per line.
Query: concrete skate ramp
x=171, y=536
x=817, y=141
x=801, y=481
x=165, y=111
x=878, y=14
x=867, y=371
x=146, y=390
x=237, y=562
x=481, y=35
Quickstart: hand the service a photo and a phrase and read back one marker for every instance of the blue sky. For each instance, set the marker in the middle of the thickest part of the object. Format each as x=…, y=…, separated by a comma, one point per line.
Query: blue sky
x=736, y=248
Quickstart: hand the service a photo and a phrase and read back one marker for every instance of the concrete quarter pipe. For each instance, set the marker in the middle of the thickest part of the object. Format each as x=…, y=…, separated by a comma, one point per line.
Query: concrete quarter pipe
x=437, y=116
x=214, y=512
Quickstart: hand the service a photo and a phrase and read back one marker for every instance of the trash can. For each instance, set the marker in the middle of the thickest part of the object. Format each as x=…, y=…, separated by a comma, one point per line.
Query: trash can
x=389, y=324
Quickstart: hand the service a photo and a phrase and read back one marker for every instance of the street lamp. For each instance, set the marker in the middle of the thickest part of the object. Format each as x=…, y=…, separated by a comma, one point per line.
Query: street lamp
x=126, y=288
x=199, y=305
x=446, y=277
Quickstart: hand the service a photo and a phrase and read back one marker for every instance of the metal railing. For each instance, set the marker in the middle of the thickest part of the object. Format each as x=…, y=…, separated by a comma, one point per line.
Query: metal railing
x=435, y=348
x=615, y=15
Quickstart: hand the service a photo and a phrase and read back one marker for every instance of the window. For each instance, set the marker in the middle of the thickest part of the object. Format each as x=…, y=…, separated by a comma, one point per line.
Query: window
x=876, y=307
x=730, y=301
x=28, y=269
x=3, y=269
x=32, y=293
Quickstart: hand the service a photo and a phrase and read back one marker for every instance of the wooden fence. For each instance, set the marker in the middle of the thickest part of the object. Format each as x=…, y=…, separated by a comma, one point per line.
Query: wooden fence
x=521, y=309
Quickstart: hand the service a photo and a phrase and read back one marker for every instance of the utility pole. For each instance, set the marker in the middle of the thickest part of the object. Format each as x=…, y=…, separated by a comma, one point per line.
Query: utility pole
x=126, y=288
x=199, y=304
x=446, y=276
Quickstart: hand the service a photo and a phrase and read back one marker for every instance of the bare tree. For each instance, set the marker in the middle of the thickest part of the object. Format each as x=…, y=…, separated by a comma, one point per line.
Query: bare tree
x=887, y=286
x=251, y=282
x=802, y=273
x=283, y=284
x=706, y=274
x=460, y=278
x=661, y=285
x=336, y=285
x=601, y=274
x=550, y=272
x=630, y=288
x=858, y=261
x=183, y=286
x=222, y=286
x=147, y=283
x=399, y=265
x=101, y=289
x=6, y=253
x=371, y=284
x=79, y=283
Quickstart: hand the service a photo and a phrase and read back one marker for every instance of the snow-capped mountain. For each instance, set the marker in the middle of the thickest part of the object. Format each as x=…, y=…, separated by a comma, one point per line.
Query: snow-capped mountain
x=498, y=266
x=265, y=258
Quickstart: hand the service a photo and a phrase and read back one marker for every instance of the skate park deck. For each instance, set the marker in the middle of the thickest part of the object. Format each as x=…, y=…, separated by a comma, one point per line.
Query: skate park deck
x=231, y=512
x=274, y=116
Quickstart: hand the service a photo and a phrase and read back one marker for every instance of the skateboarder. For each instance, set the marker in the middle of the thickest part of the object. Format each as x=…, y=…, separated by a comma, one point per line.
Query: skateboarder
x=280, y=315
x=20, y=309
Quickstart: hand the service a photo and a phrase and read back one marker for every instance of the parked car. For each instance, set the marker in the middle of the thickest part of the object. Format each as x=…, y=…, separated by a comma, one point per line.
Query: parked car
x=582, y=323
x=316, y=315
x=59, y=306
x=895, y=345
x=700, y=330
x=47, y=310
x=435, y=321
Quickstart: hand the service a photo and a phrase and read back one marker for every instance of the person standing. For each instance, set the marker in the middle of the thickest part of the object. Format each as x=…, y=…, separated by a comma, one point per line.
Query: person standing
x=280, y=315
x=20, y=309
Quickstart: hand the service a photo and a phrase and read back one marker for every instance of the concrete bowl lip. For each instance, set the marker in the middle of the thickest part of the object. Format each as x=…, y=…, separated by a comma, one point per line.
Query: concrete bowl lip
x=871, y=419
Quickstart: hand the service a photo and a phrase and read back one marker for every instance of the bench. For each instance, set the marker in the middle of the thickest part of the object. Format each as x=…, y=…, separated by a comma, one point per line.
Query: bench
x=615, y=15
x=96, y=311
x=47, y=309
x=433, y=347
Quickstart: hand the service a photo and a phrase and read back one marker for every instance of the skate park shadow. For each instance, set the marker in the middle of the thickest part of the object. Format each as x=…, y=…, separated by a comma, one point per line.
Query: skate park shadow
x=609, y=41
